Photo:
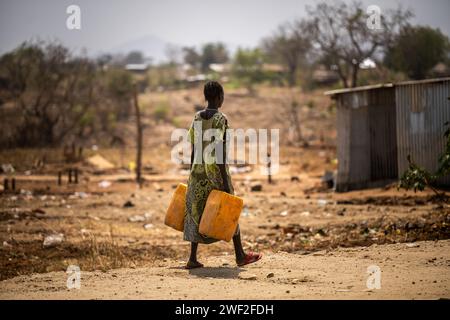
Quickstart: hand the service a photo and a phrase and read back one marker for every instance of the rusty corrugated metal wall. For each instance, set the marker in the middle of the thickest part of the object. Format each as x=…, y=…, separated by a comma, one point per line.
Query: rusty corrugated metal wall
x=352, y=135
x=366, y=138
x=383, y=130
x=422, y=109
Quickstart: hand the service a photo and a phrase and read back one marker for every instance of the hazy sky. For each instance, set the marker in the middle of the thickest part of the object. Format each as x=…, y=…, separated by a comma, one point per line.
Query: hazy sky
x=107, y=24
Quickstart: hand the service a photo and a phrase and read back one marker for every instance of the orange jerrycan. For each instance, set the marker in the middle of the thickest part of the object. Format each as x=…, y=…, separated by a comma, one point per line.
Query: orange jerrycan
x=221, y=215
x=175, y=212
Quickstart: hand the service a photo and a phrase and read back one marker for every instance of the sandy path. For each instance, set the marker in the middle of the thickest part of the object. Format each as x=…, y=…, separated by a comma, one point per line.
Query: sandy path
x=421, y=272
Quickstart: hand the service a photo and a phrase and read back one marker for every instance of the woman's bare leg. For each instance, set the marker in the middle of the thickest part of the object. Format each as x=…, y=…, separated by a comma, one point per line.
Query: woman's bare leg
x=193, y=263
x=243, y=258
x=238, y=249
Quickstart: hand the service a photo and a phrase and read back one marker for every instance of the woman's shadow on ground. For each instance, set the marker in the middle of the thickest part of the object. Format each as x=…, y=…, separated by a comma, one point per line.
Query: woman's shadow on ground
x=215, y=272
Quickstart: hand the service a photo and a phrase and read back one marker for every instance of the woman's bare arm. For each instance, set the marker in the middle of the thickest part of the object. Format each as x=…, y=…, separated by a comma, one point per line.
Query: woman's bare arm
x=222, y=167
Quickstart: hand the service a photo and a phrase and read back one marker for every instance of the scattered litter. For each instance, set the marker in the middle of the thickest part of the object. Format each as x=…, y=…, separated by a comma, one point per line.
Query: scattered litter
x=141, y=218
x=7, y=168
x=128, y=204
x=53, y=240
x=136, y=218
x=99, y=162
x=413, y=245
x=261, y=239
x=79, y=194
x=148, y=226
x=6, y=244
x=148, y=215
x=26, y=192
x=104, y=184
x=322, y=202
x=85, y=233
x=284, y=213
x=245, y=212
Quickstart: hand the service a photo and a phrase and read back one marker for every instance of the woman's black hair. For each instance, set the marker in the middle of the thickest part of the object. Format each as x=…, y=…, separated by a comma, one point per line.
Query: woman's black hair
x=212, y=90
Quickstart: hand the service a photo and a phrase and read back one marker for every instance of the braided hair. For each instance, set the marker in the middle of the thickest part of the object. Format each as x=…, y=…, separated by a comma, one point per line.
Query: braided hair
x=212, y=90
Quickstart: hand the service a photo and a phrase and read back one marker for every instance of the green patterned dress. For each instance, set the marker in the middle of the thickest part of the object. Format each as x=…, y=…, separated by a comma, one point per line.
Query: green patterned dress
x=203, y=178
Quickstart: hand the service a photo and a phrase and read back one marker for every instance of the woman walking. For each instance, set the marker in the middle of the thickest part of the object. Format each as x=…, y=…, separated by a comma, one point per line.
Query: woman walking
x=206, y=176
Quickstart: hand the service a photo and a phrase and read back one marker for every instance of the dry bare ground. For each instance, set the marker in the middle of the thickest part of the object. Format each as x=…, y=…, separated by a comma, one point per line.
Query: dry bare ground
x=317, y=244
x=419, y=272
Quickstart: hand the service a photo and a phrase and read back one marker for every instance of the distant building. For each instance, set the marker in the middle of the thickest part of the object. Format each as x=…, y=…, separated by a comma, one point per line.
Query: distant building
x=220, y=67
x=137, y=67
x=379, y=126
x=440, y=70
x=196, y=78
x=324, y=76
x=368, y=64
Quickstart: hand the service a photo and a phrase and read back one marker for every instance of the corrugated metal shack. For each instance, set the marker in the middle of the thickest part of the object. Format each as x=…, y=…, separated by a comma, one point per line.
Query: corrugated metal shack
x=378, y=126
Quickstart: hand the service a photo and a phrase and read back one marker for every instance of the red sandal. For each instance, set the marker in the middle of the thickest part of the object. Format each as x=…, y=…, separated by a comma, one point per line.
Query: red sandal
x=250, y=257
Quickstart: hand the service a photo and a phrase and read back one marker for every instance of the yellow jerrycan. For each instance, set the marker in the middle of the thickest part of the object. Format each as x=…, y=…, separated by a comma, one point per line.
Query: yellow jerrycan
x=221, y=215
x=175, y=213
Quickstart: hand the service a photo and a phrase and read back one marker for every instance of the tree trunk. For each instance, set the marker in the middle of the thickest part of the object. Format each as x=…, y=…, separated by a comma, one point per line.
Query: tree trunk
x=296, y=122
x=291, y=75
x=138, y=137
x=342, y=76
x=355, y=75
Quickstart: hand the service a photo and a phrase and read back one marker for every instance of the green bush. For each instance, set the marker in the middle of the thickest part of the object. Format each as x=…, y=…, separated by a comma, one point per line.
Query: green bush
x=418, y=178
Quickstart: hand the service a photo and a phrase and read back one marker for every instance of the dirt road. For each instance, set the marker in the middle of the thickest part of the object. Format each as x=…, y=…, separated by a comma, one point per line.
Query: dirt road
x=414, y=271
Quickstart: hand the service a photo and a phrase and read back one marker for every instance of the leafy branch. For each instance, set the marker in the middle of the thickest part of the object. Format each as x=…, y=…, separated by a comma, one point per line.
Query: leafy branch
x=418, y=178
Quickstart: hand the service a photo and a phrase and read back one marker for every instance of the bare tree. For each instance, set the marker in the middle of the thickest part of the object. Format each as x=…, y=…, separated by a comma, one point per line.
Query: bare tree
x=341, y=33
x=289, y=46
